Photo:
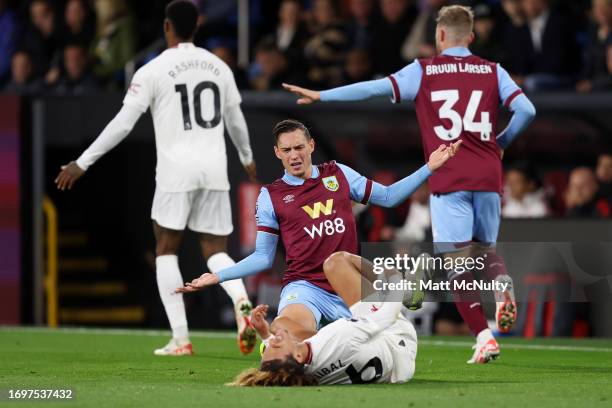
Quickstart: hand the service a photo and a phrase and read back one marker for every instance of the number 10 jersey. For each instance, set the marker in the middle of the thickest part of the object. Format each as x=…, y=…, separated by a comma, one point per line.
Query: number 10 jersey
x=188, y=89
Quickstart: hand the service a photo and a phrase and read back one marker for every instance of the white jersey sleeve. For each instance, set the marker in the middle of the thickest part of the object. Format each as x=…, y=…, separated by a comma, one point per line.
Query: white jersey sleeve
x=140, y=92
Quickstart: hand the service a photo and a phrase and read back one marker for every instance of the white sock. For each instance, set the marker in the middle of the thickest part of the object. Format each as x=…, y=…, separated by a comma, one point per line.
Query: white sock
x=234, y=288
x=168, y=279
x=484, y=336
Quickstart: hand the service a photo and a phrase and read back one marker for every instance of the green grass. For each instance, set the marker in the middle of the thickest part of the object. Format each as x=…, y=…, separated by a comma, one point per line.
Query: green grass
x=118, y=369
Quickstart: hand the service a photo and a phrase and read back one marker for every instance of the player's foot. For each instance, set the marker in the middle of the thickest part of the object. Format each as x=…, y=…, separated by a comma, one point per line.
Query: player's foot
x=414, y=298
x=506, y=311
x=175, y=348
x=483, y=353
x=247, y=336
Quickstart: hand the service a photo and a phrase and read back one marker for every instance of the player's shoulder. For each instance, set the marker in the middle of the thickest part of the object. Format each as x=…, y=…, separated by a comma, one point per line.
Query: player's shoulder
x=482, y=61
x=328, y=166
x=216, y=61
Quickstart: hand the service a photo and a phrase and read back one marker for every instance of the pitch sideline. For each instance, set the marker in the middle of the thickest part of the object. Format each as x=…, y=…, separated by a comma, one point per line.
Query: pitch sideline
x=231, y=335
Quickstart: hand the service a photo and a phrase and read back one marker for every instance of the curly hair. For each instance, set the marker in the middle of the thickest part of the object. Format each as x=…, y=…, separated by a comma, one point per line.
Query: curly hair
x=283, y=373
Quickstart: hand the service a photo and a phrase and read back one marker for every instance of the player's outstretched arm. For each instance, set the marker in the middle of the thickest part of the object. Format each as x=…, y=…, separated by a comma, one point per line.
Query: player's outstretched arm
x=260, y=260
x=398, y=192
x=116, y=130
x=355, y=92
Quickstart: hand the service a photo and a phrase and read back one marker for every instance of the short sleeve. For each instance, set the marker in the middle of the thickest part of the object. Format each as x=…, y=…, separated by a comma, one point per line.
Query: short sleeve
x=264, y=213
x=508, y=89
x=232, y=95
x=406, y=82
x=360, y=186
x=139, y=94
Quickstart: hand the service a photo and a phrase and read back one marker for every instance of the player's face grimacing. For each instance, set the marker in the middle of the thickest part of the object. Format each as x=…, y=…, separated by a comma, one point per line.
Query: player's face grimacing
x=294, y=149
x=281, y=346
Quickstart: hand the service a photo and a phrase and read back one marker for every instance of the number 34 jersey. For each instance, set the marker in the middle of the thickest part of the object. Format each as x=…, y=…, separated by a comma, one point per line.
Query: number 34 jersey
x=188, y=89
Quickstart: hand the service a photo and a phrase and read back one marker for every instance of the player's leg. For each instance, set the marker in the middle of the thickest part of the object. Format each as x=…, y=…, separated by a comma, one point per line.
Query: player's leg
x=169, y=214
x=298, y=309
x=214, y=249
x=211, y=218
x=452, y=218
x=487, y=208
x=168, y=276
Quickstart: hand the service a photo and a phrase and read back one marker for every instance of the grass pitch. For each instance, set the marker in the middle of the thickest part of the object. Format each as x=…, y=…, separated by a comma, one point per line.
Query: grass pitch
x=117, y=369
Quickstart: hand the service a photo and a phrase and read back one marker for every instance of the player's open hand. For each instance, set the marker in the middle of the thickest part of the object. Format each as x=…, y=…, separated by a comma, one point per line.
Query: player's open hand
x=307, y=96
x=207, y=279
x=442, y=154
x=251, y=170
x=69, y=174
x=258, y=319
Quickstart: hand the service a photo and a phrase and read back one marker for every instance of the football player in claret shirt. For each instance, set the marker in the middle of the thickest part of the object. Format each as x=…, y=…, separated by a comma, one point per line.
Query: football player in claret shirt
x=193, y=97
x=309, y=208
x=457, y=96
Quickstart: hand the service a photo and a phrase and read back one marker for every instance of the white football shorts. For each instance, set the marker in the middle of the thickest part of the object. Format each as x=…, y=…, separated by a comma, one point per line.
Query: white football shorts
x=205, y=211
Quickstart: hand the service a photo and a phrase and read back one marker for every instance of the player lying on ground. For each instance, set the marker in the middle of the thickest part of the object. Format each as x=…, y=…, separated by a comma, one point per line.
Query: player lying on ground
x=193, y=97
x=457, y=96
x=375, y=345
x=310, y=207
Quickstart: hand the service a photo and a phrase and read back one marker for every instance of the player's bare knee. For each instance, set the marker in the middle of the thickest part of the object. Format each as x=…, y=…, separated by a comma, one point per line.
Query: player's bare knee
x=334, y=260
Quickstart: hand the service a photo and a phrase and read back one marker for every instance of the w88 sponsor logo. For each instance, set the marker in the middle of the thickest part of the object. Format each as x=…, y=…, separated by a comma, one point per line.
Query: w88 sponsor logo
x=327, y=227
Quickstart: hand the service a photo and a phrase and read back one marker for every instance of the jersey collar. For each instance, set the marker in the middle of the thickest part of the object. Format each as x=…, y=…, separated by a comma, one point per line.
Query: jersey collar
x=296, y=181
x=185, y=46
x=457, y=52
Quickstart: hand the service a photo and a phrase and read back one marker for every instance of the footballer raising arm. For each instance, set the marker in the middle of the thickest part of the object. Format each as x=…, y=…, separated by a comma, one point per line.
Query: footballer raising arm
x=362, y=190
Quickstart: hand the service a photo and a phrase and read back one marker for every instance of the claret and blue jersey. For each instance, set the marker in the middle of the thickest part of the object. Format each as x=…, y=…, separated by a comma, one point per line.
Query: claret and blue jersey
x=457, y=96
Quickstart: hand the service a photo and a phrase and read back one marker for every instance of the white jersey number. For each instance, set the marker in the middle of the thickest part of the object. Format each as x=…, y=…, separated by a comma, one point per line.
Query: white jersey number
x=450, y=98
x=197, y=104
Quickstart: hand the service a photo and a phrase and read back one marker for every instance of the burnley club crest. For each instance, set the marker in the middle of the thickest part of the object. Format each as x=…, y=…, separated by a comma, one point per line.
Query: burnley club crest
x=331, y=183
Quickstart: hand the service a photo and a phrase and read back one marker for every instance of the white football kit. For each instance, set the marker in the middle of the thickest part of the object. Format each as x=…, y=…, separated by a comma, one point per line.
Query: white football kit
x=192, y=95
x=378, y=346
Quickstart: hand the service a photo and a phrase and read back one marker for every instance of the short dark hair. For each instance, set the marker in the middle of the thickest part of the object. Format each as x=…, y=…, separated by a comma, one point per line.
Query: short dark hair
x=289, y=125
x=183, y=15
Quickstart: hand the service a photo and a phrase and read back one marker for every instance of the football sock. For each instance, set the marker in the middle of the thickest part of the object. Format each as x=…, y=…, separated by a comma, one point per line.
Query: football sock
x=168, y=279
x=484, y=336
x=469, y=304
x=234, y=288
x=494, y=266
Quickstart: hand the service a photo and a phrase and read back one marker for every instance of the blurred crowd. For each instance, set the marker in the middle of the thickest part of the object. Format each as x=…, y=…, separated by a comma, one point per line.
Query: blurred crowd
x=80, y=46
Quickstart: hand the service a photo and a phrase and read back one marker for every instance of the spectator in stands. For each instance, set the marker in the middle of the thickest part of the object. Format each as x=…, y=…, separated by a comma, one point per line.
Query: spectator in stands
x=544, y=51
x=582, y=197
x=418, y=221
x=390, y=33
x=42, y=41
x=9, y=31
x=603, y=173
x=358, y=67
x=325, y=52
x=80, y=24
x=522, y=196
x=486, y=43
x=421, y=42
x=360, y=25
x=23, y=80
x=224, y=51
x=77, y=78
x=272, y=68
x=596, y=72
x=291, y=33
x=116, y=42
